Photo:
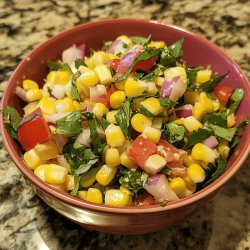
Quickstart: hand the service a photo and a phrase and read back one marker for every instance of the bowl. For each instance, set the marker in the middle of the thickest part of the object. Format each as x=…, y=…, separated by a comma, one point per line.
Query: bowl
x=127, y=220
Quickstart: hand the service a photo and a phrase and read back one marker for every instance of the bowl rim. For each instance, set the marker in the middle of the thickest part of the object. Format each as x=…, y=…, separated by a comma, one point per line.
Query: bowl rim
x=63, y=196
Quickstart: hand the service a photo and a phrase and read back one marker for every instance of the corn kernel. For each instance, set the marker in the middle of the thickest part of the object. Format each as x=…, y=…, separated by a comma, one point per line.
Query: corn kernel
x=230, y=120
x=196, y=173
x=206, y=102
x=139, y=122
x=47, y=150
x=32, y=159
x=48, y=105
x=33, y=95
x=104, y=151
x=134, y=87
x=77, y=105
x=110, y=116
x=136, y=104
x=88, y=79
x=159, y=80
x=104, y=74
x=188, y=160
x=157, y=44
x=69, y=183
x=59, y=77
x=115, y=197
x=125, y=39
x=176, y=71
x=88, y=178
x=199, y=111
x=29, y=108
x=152, y=105
x=189, y=184
x=106, y=174
x=55, y=174
x=178, y=185
x=191, y=124
x=89, y=62
x=112, y=157
x=116, y=99
x=157, y=122
x=99, y=110
x=94, y=195
x=88, y=103
x=126, y=161
x=39, y=171
x=99, y=57
x=202, y=152
x=65, y=105
x=153, y=134
x=151, y=88
x=29, y=84
x=224, y=149
x=190, y=97
x=82, y=194
x=114, y=136
x=154, y=164
x=203, y=75
x=216, y=104
x=120, y=85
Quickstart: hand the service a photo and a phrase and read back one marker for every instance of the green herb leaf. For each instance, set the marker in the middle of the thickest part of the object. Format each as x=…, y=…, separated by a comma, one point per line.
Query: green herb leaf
x=74, y=91
x=105, y=45
x=79, y=62
x=58, y=66
x=197, y=136
x=70, y=125
x=163, y=202
x=12, y=120
x=224, y=133
x=219, y=118
x=140, y=40
x=138, y=75
x=172, y=54
x=103, y=123
x=212, y=83
x=174, y=132
x=28, y=118
x=145, y=111
x=77, y=185
x=157, y=71
x=240, y=127
x=133, y=179
x=191, y=76
x=237, y=96
x=168, y=103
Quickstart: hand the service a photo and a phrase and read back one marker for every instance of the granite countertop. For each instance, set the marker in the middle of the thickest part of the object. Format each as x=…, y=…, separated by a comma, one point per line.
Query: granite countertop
x=26, y=222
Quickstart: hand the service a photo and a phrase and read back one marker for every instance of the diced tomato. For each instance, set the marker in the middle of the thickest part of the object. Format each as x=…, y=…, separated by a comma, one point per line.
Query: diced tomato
x=109, y=92
x=33, y=131
x=222, y=92
x=114, y=63
x=145, y=65
x=178, y=172
x=141, y=149
x=144, y=199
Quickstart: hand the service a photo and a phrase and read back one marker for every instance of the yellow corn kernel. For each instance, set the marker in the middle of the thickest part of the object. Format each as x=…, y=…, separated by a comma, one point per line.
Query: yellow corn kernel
x=77, y=105
x=206, y=102
x=199, y=111
x=224, y=149
x=89, y=62
x=188, y=161
x=134, y=87
x=157, y=44
x=196, y=173
x=65, y=105
x=82, y=194
x=104, y=74
x=120, y=85
x=110, y=116
x=29, y=108
x=88, y=103
x=125, y=39
x=202, y=152
x=136, y=104
x=125, y=190
x=114, y=136
x=179, y=121
x=116, y=197
x=139, y=122
x=116, y=99
x=29, y=84
x=55, y=174
x=69, y=183
x=48, y=105
x=84, y=69
x=94, y=195
x=124, y=147
x=191, y=124
x=154, y=164
x=203, y=75
x=39, y=171
x=59, y=77
x=126, y=161
x=112, y=157
x=178, y=185
x=151, y=88
x=190, y=97
x=189, y=184
x=230, y=120
x=88, y=79
x=99, y=57
x=159, y=80
x=32, y=159
x=47, y=150
x=157, y=122
x=152, y=105
x=33, y=95
x=216, y=104
x=99, y=110
x=176, y=71
x=88, y=178
x=104, y=151
x=153, y=134
x=105, y=175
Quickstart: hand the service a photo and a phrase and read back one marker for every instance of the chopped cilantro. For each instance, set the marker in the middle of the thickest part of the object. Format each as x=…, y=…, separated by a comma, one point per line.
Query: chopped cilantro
x=58, y=66
x=79, y=62
x=174, y=132
x=168, y=103
x=198, y=136
x=163, y=202
x=219, y=118
x=105, y=45
x=74, y=91
x=237, y=96
x=224, y=133
x=140, y=40
x=145, y=111
x=191, y=76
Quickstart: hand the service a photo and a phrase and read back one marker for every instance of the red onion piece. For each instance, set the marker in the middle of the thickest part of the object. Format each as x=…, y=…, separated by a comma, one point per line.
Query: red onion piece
x=160, y=189
x=54, y=117
x=114, y=46
x=71, y=54
x=58, y=91
x=60, y=142
x=98, y=93
x=211, y=142
x=84, y=137
x=62, y=161
x=21, y=93
x=184, y=111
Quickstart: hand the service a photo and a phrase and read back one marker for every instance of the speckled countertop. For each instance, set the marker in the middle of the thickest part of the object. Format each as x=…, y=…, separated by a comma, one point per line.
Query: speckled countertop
x=26, y=222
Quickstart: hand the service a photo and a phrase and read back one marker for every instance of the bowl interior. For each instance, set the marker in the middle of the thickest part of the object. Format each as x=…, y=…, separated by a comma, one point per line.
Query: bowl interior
x=197, y=51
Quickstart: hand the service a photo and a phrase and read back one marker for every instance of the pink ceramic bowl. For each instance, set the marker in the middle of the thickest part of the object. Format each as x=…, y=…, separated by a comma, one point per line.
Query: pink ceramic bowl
x=127, y=220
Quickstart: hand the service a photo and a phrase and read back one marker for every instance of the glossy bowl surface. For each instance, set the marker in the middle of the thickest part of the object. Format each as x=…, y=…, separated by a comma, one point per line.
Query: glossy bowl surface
x=127, y=220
